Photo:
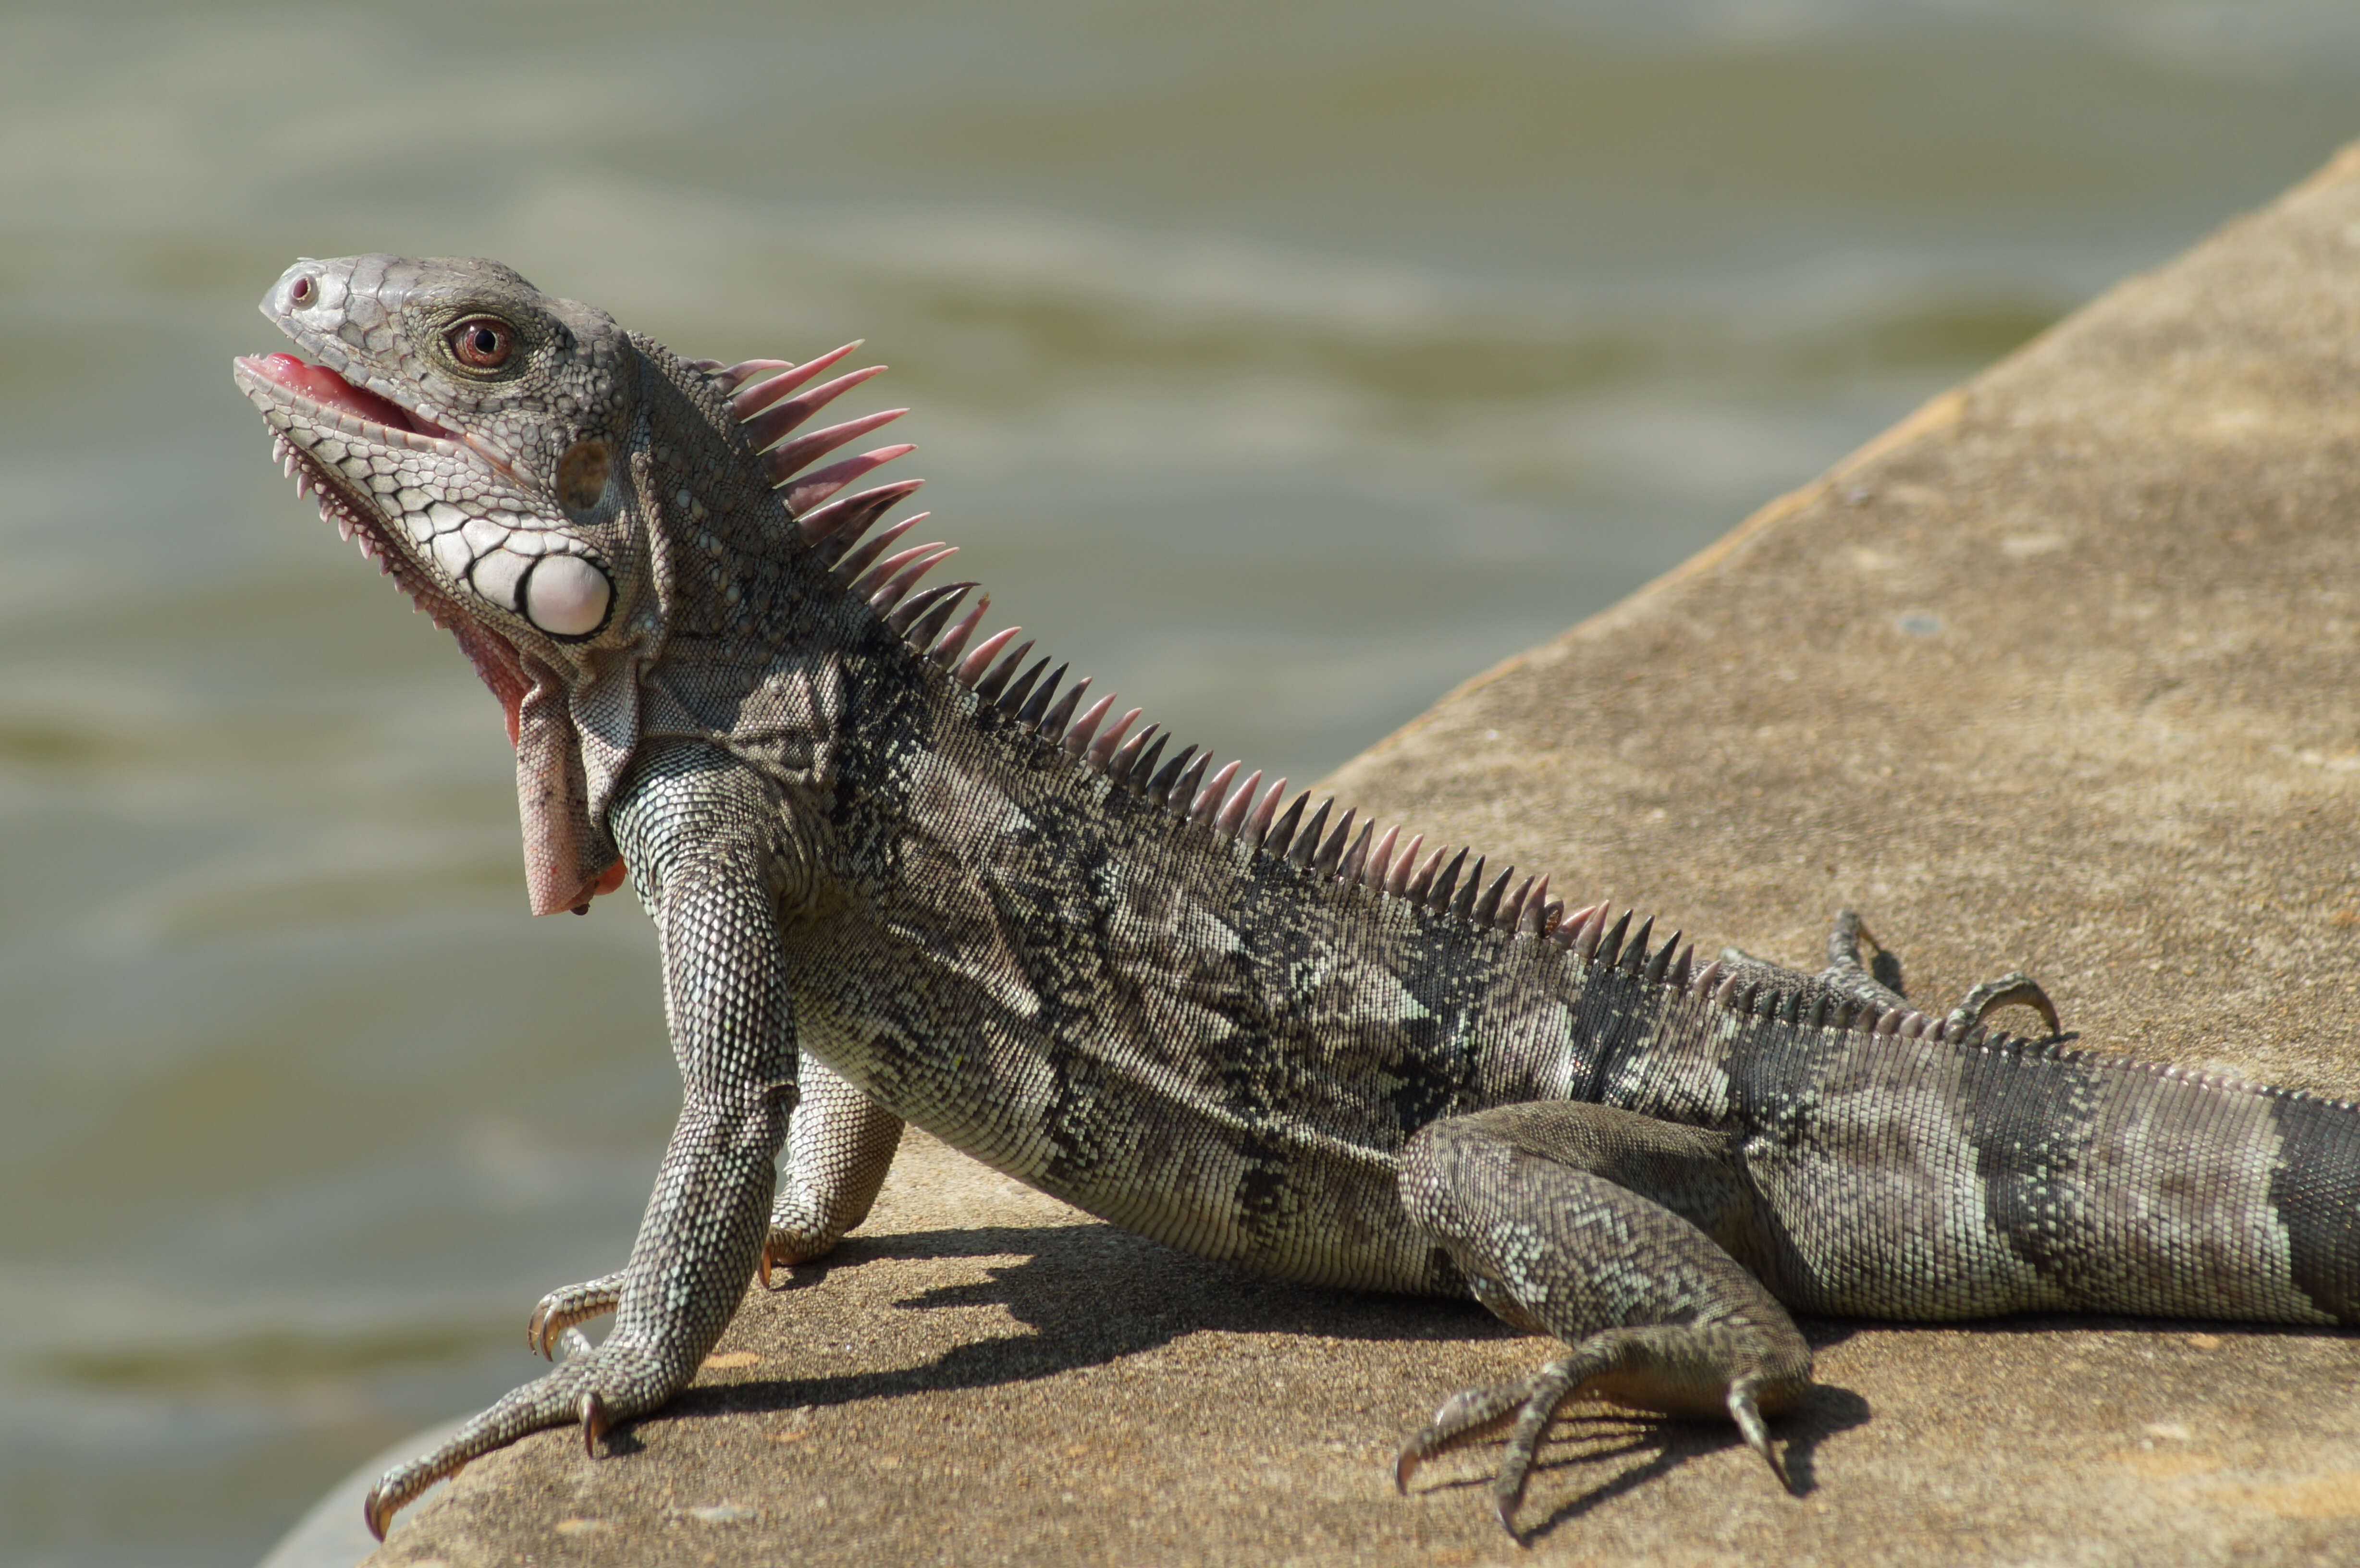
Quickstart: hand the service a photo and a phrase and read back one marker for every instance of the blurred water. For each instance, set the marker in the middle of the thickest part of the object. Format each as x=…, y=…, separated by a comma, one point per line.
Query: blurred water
x=1281, y=365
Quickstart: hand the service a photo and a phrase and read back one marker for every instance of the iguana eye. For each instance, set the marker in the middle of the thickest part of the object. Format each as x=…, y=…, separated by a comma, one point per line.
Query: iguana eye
x=482, y=344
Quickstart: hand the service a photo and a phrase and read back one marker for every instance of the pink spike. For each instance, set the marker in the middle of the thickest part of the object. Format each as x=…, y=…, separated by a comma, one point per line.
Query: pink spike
x=821, y=521
x=1078, y=739
x=782, y=462
x=894, y=577
x=745, y=370
x=1103, y=747
x=852, y=565
x=1425, y=877
x=971, y=669
x=1233, y=815
x=1580, y=918
x=811, y=488
x=1209, y=798
x=1258, y=825
x=884, y=569
x=947, y=647
x=1525, y=917
x=1397, y=880
x=753, y=400
x=773, y=422
x=1373, y=873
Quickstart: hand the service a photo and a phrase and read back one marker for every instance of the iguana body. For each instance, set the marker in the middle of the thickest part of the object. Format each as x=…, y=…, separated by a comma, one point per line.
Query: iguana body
x=897, y=874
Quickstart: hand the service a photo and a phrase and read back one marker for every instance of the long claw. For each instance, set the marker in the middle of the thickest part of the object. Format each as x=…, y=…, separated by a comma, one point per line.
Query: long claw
x=536, y=1329
x=2017, y=989
x=1406, y=1465
x=1747, y=1414
x=378, y=1512
x=594, y=1422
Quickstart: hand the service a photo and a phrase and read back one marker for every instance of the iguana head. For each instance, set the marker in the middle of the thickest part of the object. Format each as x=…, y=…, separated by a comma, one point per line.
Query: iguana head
x=509, y=459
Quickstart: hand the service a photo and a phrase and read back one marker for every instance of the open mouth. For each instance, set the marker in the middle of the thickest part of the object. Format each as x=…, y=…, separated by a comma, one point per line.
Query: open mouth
x=356, y=516
x=330, y=390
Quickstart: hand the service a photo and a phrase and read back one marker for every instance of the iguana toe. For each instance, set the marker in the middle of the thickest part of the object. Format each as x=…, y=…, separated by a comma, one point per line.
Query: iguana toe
x=609, y=1385
x=2016, y=989
x=562, y=1308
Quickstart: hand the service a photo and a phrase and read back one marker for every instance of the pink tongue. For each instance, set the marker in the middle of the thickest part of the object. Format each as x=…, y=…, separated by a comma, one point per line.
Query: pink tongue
x=323, y=385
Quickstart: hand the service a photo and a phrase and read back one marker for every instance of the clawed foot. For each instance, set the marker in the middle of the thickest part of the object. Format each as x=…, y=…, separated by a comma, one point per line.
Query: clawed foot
x=1534, y=1402
x=608, y=1385
x=1878, y=980
x=789, y=1250
x=559, y=1310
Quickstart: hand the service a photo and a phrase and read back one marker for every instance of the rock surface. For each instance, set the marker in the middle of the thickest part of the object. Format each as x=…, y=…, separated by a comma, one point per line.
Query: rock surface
x=2059, y=674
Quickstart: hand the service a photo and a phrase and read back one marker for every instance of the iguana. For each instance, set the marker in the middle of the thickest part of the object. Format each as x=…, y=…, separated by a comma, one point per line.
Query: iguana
x=901, y=873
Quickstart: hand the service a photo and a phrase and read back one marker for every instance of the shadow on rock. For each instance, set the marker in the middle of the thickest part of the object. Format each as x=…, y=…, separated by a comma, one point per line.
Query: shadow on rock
x=1091, y=1294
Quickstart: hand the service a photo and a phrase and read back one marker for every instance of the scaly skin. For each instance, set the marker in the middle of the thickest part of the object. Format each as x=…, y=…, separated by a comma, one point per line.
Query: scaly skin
x=897, y=877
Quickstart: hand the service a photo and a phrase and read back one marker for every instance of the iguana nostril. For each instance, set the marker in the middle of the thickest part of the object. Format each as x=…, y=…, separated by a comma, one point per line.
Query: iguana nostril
x=299, y=291
x=567, y=597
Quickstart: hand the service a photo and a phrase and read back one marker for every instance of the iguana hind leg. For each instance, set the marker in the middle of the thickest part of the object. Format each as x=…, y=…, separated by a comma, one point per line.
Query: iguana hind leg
x=1610, y=1231
x=1879, y=979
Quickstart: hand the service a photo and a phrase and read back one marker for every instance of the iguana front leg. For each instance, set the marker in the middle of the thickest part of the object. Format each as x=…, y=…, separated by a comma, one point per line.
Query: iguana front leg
x=840, y=1143
x=1606, y=1229
x=701, y=836
x=839, y=1147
